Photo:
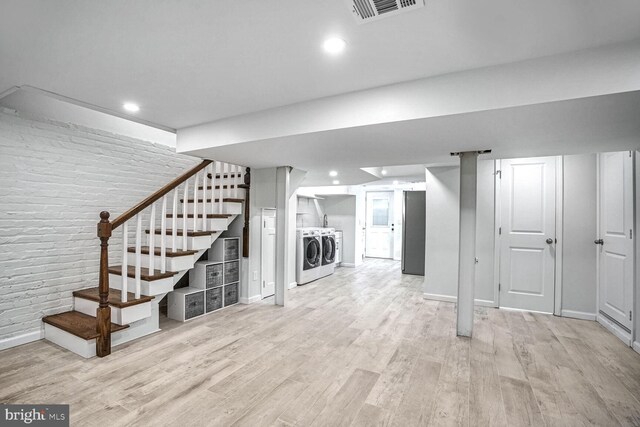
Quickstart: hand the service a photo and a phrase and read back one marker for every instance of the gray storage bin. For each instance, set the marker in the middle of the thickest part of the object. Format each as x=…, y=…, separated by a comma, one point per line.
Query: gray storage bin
x=231, y=272
x=193, y=305
x=214, y=275
x=230, y=294
x=213, y=299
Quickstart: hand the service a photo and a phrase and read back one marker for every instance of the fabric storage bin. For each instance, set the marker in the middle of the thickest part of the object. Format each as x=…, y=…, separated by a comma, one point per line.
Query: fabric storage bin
x=193, y=305
x=230, y=294
x=231, y=272
x=214, y=275
x=213, y=299
x=231, y=249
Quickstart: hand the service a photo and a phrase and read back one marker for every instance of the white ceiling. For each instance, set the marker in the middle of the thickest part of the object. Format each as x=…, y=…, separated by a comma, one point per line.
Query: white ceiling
x=191, y=62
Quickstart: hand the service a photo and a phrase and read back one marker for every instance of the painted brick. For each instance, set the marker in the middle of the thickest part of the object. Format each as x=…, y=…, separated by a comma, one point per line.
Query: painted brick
x=55, y=178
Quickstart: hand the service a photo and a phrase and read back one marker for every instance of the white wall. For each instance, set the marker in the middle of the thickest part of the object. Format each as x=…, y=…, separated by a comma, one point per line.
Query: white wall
x=55, y=178
x=441, y=257
x=579, y=255
x=579, y=279
x=341, y=215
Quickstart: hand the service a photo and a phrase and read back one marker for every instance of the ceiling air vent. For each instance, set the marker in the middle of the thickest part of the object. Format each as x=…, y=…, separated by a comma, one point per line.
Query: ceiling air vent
x=371, y=10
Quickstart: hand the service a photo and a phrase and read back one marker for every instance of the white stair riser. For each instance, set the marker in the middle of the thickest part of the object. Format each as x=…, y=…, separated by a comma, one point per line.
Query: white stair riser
x=215, y=224
x=119, y=316
x=193, y=243
x=153, y=288
x=84, y=348
x=227, y=208
x=172, y=263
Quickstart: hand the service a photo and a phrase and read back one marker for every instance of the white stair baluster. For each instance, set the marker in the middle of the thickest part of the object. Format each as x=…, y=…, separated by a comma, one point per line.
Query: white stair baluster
x=125, y=256
x=138, y=253
x=174, y=221
x=212, y=202
x=185, y=213
x=223, y=181
x=152, y=237
x=163, y=234
x=195, y=202
x=237, y=181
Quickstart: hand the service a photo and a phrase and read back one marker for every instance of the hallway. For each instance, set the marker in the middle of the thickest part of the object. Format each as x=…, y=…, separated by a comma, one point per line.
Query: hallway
x=361, y=347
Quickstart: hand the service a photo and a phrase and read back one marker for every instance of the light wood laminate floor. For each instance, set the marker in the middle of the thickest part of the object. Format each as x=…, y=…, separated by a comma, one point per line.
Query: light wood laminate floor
x=360, y=348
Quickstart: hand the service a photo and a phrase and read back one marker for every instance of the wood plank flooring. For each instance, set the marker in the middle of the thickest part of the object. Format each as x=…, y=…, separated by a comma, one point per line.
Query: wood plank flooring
x=359, y=348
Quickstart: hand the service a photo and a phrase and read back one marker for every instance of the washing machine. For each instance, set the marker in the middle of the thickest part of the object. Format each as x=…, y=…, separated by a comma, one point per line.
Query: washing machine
x=328, y=264
x=308, y=255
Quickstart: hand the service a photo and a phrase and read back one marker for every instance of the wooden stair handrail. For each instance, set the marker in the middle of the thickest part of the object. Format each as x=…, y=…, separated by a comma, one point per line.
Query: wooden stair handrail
x=126, y=216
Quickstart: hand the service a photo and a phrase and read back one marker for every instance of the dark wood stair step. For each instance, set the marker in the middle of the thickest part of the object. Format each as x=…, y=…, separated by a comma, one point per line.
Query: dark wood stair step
x=157, y=251
x=189, y=233
x=226, y=187
x=226, y=175
x=226, y=200
x=115, y=295
x=144, y=273
x=209, y=216
x=78, y=324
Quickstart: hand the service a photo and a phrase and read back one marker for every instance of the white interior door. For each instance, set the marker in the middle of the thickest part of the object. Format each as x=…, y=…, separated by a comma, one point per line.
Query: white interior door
x=268, y=252
x=379, y=224
x=615, y=258
x=528, y=233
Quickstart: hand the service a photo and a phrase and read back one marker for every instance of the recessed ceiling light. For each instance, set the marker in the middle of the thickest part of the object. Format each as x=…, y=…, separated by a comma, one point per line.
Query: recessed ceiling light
x=395, y=182
x=334, y=45
x=131, y=107
x=384, y=171
x=333, y=173
x=336, y=182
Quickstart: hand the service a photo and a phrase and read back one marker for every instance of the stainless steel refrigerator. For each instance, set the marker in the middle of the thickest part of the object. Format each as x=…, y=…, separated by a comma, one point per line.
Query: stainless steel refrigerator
x=413, y=232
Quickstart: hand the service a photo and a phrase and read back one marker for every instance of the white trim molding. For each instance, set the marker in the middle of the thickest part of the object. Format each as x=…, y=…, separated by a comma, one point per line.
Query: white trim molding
x=293, y=285
x=615, y=330
x=21, y=339
x=579, y=315
x=636, y=346
x=347, y=264
x=449, y=298
x=250, y=300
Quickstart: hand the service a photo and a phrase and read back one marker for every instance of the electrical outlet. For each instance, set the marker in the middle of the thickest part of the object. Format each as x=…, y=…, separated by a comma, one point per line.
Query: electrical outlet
x=255, y=275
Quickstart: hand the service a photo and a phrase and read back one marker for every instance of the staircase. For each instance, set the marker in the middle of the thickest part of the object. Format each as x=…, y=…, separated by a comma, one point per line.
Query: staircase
x=194, y=209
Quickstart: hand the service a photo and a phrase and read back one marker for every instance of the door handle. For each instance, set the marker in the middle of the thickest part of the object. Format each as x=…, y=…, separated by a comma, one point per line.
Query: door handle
x=599, y=242
x=549, y=241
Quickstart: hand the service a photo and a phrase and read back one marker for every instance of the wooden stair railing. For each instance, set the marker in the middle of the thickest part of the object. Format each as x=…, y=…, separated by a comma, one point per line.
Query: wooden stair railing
x=211, y=203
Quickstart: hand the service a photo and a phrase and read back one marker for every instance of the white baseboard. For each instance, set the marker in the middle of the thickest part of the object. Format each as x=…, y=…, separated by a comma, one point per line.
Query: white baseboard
x=293, y=285
x=485, y=303
x=579, y=315
x=250, y=300
x=636, y=346
x=449, y=298
x=615, y=330
x=21, y=339
x=347, y=264
x=437, y=297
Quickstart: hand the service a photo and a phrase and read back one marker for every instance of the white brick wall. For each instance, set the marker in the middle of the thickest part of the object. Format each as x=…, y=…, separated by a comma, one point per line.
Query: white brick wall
x=54, y=180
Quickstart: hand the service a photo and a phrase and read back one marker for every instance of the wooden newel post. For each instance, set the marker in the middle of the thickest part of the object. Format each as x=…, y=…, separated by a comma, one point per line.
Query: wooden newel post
x=103, y=315
x=245, y=229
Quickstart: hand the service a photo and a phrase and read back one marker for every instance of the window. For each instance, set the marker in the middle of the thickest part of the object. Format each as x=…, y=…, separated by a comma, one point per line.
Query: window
x=380, y=211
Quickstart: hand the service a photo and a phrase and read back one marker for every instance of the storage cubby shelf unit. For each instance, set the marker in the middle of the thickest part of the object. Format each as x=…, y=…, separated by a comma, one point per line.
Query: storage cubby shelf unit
x=213, y=284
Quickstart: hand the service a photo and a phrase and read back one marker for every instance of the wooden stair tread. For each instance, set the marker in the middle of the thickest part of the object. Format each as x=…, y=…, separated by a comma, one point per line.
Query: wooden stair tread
x=190, y=233
x=144, y=273
x=218, y=187
x=157, y=251
x=209, y=216
x=78, y=324
x=226, y=200
x=115, y=295
x=226, y=175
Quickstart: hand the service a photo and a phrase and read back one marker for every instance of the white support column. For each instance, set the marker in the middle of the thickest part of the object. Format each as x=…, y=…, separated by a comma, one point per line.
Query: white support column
x=467, y=244
x=284, y=251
